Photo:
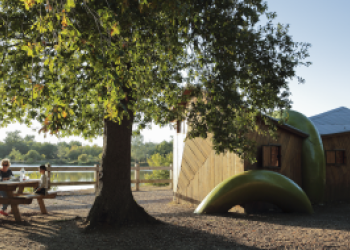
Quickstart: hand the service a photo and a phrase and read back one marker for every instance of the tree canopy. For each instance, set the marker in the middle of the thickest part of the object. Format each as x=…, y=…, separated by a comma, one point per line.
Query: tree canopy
x=88, y=67
x=70, y=64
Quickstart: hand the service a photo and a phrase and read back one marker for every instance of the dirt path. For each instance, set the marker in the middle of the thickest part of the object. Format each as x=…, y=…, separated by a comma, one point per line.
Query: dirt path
x=328, y=228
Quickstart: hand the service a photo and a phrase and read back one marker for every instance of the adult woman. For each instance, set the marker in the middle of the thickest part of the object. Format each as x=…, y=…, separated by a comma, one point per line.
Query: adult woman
x=5, y=174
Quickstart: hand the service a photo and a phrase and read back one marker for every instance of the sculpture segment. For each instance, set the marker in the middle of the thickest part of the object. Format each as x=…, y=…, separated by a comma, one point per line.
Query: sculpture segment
x=256, y=185
x=313, y=159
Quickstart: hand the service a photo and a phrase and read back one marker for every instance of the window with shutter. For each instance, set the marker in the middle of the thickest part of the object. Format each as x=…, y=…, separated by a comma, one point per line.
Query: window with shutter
x=335, y=157
x=271, y=156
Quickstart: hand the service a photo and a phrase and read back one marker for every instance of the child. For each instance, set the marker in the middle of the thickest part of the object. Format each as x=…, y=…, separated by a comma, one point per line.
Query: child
x=5, y=174
x=43, y=181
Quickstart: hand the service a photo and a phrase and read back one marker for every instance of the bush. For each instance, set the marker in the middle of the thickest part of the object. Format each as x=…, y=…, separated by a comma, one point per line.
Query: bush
x=32, y=156
x=83, y=158
x=15, y=155
x=157, y=160
x=158, y=175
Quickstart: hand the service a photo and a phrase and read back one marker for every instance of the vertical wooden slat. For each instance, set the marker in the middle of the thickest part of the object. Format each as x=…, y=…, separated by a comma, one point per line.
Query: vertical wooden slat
x=288, y=154
x=208, y=177
x=195, y=187
x=266, y=156
x=212, y=169
x=228, y=164
x=200, y=182
x=218, y=169
x=225, y=174
x=49, y=177
x=234, y=166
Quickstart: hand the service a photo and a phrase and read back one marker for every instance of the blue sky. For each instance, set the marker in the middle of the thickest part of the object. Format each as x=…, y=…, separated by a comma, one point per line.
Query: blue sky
x=322, y=23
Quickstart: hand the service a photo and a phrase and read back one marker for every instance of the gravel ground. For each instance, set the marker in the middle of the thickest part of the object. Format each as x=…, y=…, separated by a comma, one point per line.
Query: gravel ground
x=328, y=228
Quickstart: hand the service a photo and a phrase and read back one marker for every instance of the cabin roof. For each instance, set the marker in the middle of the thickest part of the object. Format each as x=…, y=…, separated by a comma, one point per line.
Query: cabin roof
x=334, y=121
x=289, y=128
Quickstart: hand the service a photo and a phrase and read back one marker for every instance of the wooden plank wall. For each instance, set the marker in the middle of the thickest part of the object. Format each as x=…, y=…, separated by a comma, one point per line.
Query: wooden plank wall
x=290, y=154
x=195, y=182
x=202, y=169
x=337, y=177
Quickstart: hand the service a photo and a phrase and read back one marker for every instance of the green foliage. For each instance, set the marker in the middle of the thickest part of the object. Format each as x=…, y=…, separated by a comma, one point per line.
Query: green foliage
x=140, y=150
x=74, y=68
x=74, y=152
x=62, y=152
x=83, y=158
x=32, y=156
x=37, y=151
x=157, y=160
x=15, y=155
x=164, y=147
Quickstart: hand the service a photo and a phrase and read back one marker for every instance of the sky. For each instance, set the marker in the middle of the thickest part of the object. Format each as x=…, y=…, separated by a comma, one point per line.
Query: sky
x=322, y=23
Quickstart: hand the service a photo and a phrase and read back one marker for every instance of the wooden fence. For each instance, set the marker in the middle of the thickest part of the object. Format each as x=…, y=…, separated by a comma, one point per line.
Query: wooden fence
x=137, y=179
x=97, y=172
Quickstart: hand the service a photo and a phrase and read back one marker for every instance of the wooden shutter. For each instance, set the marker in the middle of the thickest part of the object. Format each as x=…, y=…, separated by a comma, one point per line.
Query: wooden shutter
x=340, y=157
x=274, y=160
x=271, y=156
x=330, y=157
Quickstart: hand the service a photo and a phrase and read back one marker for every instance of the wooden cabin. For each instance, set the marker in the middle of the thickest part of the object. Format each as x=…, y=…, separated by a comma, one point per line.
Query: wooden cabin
x=334, y=128
x=197, y=169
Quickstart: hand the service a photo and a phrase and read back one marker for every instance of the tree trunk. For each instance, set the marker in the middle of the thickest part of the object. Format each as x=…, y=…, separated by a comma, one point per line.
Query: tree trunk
x=114, y=204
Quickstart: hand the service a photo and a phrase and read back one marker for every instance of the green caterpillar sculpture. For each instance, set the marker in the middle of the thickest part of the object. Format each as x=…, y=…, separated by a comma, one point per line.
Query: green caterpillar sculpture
x=256, y=185
x=262, y=185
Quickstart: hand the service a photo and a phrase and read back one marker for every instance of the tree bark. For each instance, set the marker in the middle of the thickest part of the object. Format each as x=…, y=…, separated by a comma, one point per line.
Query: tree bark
x=114, y=203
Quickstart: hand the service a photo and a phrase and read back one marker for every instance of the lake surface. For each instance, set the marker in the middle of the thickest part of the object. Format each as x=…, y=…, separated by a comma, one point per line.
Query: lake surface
x=69, y=176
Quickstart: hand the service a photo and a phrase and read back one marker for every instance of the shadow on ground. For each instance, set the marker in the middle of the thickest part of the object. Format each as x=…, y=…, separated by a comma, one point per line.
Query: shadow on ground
x=333, y=216
x=68, y=234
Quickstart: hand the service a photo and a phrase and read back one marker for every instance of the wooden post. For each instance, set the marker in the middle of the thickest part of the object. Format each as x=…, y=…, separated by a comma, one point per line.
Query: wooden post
x=137, y=176
x=97, y=177
x=48, y=177
x=171, y=176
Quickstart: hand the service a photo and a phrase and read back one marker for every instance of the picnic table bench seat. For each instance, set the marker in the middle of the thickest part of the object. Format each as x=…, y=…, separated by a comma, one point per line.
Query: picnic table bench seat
x=39, y=198
x=16, y=200
x=49, y=195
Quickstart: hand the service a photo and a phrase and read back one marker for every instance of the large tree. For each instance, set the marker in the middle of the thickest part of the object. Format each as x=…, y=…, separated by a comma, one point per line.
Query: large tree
x=89, y=68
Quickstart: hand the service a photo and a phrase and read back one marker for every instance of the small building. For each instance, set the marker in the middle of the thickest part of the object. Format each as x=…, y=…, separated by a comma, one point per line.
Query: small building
x=334, y=129
x=197, y=169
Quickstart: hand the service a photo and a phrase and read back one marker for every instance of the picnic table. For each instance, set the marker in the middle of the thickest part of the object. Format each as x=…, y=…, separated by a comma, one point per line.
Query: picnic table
x=15, y=198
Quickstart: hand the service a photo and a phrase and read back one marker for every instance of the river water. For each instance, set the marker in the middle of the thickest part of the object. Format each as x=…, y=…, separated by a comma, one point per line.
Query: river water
x=68, y=176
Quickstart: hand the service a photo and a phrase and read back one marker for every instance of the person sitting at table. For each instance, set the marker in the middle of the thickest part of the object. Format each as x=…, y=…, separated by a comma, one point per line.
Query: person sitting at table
x=5, y=174
x=43, y=181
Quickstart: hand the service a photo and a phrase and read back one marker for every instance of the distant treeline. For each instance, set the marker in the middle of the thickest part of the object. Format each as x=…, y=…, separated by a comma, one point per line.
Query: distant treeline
x=27, y=150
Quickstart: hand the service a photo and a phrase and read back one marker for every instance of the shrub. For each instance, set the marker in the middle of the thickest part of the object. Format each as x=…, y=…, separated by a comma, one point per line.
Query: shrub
x=83, y=158
x=157, y=160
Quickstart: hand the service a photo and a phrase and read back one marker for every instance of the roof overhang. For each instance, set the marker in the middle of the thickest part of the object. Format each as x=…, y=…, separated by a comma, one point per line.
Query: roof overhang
x=288, y=128
x=335, y=134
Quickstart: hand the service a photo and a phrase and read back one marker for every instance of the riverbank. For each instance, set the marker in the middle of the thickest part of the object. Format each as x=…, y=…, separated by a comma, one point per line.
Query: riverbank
x=327, y=228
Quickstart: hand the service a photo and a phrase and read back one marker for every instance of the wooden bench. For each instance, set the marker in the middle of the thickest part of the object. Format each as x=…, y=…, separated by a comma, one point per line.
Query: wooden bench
x=14, y=202
x=39, y=198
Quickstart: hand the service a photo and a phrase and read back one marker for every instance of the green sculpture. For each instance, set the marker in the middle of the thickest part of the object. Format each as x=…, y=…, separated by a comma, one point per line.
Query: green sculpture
x=313, y=159
x=256, y=185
